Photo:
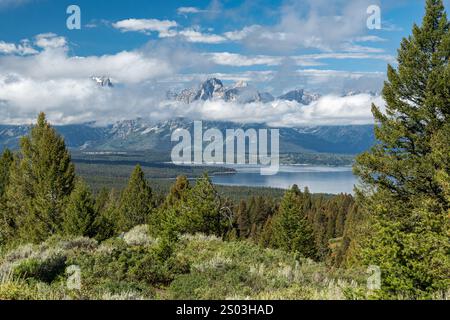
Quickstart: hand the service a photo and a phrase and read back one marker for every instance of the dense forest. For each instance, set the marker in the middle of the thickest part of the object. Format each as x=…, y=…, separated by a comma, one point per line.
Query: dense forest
x=194, y=242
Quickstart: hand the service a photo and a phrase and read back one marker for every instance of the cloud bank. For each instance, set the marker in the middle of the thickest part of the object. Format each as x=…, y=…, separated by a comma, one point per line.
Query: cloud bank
x=40, y=75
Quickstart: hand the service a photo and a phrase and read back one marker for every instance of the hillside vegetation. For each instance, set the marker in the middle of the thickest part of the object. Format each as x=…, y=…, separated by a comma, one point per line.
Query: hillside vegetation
x=200, y=267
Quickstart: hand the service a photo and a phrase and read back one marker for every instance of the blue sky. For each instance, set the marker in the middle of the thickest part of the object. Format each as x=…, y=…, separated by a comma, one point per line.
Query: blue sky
x=153, y=46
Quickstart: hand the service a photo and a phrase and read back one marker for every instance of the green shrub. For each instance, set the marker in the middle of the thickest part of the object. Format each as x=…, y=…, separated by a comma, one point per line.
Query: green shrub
x=42, y=270
x=16, y=291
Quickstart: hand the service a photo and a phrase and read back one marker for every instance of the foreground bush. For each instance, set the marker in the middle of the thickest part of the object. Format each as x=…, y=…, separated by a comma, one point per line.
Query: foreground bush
x=198, y=267
x=133, y=266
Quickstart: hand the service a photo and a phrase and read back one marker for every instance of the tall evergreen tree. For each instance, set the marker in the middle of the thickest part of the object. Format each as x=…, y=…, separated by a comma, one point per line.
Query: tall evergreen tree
x=6, y=161
x=291, y=230
x=81, y=214
x=320, y=222
x=178, y=191
x=243, y=220
x=405, y=174
x=136, y=202
x=40, y=183
x=106, y=223
x=265, y=237
x=203, y=209
x=102, y=199
x=6, y=223
x=200, y=209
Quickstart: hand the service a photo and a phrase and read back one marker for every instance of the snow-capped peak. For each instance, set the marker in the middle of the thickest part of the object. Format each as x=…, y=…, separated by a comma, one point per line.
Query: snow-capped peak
x=102, y=81
x=241, y=84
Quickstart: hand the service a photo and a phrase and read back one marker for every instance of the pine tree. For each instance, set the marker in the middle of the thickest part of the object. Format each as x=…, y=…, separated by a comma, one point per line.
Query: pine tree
x=291, y=231
x=266, y=234
x=405, y=174
x=178, y=190
x=6, y=223
x=106, y=223
x=321, y=240
x=243, y=220
x=136, y=202
x=6, y=161
x=40, y=183
x=80, y=215
x=102, y=199
x=204, y=210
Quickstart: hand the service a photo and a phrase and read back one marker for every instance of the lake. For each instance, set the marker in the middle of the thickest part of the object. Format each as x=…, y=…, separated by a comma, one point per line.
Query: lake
x=319, y=179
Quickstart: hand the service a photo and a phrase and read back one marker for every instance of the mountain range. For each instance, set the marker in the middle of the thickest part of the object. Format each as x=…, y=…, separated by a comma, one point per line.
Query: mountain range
x=147, y=135
x=240, y=92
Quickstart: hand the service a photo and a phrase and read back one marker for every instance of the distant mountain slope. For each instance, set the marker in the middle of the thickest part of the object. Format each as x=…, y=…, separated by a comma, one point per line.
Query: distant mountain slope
x=143, y=135
x=10, y=135
x=300, y=96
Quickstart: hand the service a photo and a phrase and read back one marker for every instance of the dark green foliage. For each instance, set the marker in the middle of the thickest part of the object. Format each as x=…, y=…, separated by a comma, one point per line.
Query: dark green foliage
x=252, y=215
x=291, y=230
x=102, y=199
x=345, y=253
x=178, y=191
x=244, y=222
x=125, y=264
x=199, y=209
x=107, y=218
x=136, y=202
x=327, y=215
x=405, y=192
x=42, y=270
x=40, y=183
x=6, y=161
x=203, y=210
x=6, y=221
x=81, y=213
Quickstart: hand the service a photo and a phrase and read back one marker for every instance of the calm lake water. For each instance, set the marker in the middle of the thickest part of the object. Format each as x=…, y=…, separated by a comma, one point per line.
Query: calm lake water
x=319, y=179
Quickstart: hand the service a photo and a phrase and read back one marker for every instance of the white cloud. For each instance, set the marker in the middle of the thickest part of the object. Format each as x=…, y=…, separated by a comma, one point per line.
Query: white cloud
x=145, y=25
x=369, y=39
x=61, y=85
x=332, y=110
x=4, y=4
x=167, y=29
x=123, y=67
x=195, y=36
x=315, y=24
x=238, y=35
x=346, y=56
x=307, y=60
x=77, y=101
x=72, y=98
x=189, y=10
x=238, y=60
x=95, y=23
x=328, y=110
x=355, y=48
x=51, y=80
x=24, y=48
x=50, y=41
